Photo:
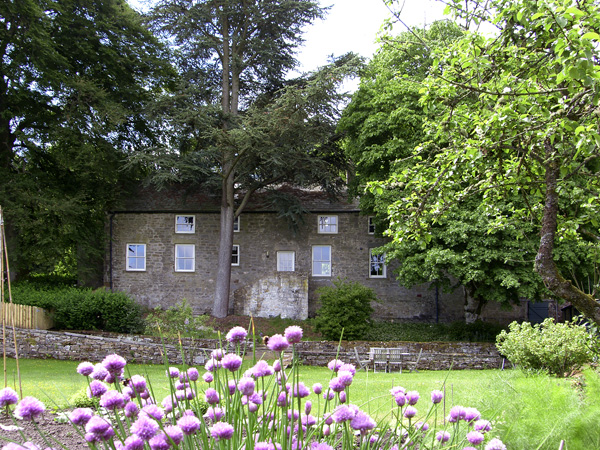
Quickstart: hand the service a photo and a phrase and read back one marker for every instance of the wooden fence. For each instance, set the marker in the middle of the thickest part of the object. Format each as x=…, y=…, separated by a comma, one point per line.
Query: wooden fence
x=25, y=316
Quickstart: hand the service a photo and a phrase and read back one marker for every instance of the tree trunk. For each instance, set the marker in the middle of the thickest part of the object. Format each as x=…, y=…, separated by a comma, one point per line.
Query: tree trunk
x=221, y=304
x=544, y=261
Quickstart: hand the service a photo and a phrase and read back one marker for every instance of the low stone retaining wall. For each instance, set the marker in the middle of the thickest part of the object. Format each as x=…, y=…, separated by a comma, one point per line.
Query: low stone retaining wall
x=150, y=350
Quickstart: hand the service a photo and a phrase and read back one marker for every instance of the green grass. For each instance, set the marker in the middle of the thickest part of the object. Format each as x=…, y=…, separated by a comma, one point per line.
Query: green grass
x=529, y=412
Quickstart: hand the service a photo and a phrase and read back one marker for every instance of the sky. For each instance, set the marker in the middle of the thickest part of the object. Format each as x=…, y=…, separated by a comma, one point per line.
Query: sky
x=352, y=25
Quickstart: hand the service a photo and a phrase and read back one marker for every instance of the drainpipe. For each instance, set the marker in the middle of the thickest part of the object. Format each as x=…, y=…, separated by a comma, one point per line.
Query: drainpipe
x=437, y=304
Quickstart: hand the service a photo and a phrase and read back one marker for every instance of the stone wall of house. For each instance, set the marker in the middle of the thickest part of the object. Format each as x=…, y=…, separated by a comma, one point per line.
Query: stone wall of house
x=149, y=350
x=261, y=236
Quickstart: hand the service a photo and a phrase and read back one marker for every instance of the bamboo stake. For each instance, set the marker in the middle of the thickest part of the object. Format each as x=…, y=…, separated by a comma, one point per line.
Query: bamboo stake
x=4, y=312
x=3, y=243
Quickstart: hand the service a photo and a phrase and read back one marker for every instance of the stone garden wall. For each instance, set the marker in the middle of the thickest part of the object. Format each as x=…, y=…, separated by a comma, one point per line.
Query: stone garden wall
x=149, y=350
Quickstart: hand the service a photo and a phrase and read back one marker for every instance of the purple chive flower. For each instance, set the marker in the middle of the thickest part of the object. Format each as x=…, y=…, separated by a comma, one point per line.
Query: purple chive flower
x=456, y=413
x=217, y=354
x=193, y=374
x=131, y=409
x=329, y=395
x=99, y=373
x=231, y=386
x=110, y=378
x=345, y=377
x=300, y=390
x=231, y=362
x=214, y=413
x=246, y=386
x=412, y=397
x=471, y=415
x=212, y=396
x=282, y=399
x=262, y=369
x=423, y=426
x=97, y=426
x=278, y=343
x=112, y=400
x=410, y=412
x=29, y=408
x=221, y=430
x=307, y=407
x=397, y=389
x=336, y=385
x=308, y=420
x=277, y=365
x=495, y=444
x=400, y=399
x=211, y=365
x=293, y=334
x=320, y=446
x=85, y=368
x=436, y=396
x=154, y=411
x=189, y=424
x=138, y=383
x=81, y=416
x=317, y=388
x=134, y=442
x=344, y=412
x=475, y=437
x=236, y=335
x=208, y=377
x=159, y=441
x=483, y=425
x=442, y=436
x=114, y=364
x=362, y=422
x=173, y=372
x=8, y=396
x=348, y=368
x=334, y=365
x=342, y=396
x=174, y=433
x=145, y=427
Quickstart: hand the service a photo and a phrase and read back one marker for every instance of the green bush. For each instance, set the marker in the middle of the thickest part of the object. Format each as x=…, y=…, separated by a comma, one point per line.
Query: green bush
x=345, y=306
x=555, y=348
x=178, y=320
x=80, y=399
x=74, y=308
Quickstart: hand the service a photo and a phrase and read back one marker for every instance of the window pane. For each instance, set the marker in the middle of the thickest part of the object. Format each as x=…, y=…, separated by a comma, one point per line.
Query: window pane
x=328, y=224
x=377, y=265
x=235, y=255
x=321, y=265
x=184, y=224
x=285, y=261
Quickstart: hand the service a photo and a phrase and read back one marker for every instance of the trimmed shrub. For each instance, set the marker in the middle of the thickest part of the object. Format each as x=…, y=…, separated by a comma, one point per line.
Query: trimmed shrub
x=555, y=348
x=83, y=309
x=345, y=306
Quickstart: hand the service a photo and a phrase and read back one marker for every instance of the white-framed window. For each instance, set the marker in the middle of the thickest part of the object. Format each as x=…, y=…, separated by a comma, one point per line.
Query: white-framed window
x=185, y=257
x=185, y=224
x=236, y=224
x=371, y=225
x=286, y=261
x=321, y=260
x=235, y=255
x=376, y=264
x=328, y=224
x=136, y=257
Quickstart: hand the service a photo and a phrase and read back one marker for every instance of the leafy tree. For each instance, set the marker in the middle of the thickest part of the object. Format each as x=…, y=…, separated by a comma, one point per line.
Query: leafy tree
x=237, y=125
x=76, y=76
x=384, y=123
x=517, y=114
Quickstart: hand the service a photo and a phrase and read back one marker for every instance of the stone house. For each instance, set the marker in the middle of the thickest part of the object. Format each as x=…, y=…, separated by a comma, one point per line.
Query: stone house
x=164, y=245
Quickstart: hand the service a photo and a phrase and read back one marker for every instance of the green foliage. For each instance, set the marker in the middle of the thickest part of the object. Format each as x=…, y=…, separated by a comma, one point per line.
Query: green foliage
x=178, y=320
x=431, y=332
x=555, y=348
x=345, y=306
x=80, y=399
x=83, y=309
x=512, y=124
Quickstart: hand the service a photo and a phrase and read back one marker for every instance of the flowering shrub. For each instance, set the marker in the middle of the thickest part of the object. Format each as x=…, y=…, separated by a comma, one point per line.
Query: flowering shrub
x=556, y=348
x=264, y=407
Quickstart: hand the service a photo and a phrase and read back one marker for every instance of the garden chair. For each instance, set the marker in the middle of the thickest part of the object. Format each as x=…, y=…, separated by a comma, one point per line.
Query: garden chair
x=362, y=363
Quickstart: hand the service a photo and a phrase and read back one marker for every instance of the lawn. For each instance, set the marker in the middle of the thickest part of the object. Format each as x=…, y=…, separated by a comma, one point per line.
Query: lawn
x=528, y=412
